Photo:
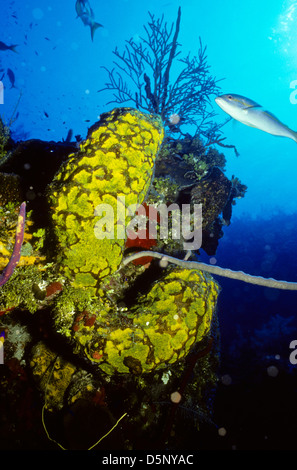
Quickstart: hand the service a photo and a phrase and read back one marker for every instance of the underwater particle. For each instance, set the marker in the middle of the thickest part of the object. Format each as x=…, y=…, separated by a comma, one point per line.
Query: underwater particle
x=163, y=263
x=174, y=119
x=226, y=379
x=175, y=397
x=212, y=260
x=271, y=295
x=43, y=68
x=87, y=92
x=37, y=13
x=222, y=432
x=136, y=38
x=272, y=371
x=277, y=356
x=30, y=195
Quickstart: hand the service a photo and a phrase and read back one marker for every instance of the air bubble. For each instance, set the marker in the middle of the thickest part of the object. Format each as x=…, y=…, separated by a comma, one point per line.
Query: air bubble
x=222, y=432
x=37, y=13
x=272, y=371
x=175, y=397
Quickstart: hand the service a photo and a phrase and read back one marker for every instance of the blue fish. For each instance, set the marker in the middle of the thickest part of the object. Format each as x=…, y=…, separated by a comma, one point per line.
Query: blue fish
x=5, y=47
x=11, y=77
x=86, y=14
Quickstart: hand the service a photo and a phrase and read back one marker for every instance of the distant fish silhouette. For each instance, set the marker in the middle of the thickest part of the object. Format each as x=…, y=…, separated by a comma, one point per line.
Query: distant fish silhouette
x=69, y=135
x=86, y=14
x=11, y=77
x=5, y=47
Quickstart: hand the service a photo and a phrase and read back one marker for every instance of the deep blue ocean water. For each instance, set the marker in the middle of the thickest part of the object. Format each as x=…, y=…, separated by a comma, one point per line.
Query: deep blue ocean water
x=252, y=45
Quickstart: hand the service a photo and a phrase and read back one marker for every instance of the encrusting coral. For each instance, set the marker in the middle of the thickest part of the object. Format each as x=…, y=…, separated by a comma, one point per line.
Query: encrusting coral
x=114, y=164
x=159, y=330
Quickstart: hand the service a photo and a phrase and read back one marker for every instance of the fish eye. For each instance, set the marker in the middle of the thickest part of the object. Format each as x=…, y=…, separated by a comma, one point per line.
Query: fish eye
x=230, y=97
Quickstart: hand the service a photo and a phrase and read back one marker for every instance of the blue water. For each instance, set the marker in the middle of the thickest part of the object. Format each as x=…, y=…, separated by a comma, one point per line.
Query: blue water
x=252, y=46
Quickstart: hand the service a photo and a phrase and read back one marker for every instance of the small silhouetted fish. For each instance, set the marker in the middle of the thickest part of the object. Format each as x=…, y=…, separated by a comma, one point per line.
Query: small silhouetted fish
x=69, y=136
x=11, y=77
x=45, y=113
x=5, y=47
x=86, y=14
x=47, y=39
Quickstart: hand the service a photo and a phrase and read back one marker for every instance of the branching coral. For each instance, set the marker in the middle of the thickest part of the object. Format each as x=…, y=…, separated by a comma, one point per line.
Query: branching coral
x=147, y=64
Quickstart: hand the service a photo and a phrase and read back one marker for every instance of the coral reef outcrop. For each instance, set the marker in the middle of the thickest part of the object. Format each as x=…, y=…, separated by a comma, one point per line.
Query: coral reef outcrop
x=132, y=327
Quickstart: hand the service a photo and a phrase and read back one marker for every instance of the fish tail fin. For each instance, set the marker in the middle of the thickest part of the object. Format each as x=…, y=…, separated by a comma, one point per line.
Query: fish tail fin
x=294, y=136
x=94, y=27
x=13, y=48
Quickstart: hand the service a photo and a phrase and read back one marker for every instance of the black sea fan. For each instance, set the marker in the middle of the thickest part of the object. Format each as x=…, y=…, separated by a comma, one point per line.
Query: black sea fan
x=143, y=76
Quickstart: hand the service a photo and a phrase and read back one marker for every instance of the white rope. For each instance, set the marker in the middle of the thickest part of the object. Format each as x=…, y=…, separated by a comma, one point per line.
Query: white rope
x=239, y=275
